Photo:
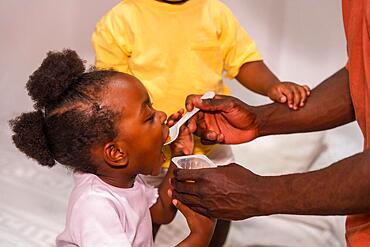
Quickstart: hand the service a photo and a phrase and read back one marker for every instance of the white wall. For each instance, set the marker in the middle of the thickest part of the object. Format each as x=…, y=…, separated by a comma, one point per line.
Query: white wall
x=31, y=28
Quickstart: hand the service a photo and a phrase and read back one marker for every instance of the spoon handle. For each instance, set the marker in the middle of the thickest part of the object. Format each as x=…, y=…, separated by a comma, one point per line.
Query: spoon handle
x=188, y=115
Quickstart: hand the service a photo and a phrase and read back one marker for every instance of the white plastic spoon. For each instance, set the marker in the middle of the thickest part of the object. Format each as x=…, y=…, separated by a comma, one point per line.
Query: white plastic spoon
x=175, y=129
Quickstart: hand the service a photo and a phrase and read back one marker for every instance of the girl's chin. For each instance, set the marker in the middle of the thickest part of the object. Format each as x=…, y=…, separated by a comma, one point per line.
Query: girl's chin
x=156, y=171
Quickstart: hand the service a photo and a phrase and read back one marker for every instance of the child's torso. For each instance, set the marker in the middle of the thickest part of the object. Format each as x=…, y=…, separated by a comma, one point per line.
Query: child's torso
x=173, y=64
x=129, y=207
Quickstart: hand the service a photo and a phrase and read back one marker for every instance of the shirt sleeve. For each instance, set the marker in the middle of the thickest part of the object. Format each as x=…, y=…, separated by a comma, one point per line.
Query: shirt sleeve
x=111, y=42
x=95, y=222
x=238, y=47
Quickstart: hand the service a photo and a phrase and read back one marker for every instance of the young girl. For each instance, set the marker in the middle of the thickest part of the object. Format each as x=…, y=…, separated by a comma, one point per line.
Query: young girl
x=101, y=125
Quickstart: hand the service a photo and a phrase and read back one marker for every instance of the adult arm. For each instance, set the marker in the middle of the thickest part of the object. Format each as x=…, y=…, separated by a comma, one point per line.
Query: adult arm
x=329, y=106
x=233, y=192
x=228, y=120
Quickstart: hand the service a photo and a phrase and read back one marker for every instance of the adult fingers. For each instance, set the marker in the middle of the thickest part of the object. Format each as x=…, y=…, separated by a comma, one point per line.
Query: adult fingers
x=218, y=103
x=209, y=129
x=210, y=138
x=190, y=100
x=188, y=187
x=184, y=130
x=188, y=174
x=193, y=122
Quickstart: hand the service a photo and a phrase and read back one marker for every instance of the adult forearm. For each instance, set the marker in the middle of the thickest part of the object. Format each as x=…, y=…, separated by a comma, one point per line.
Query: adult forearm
x=340, y=189
x=329, y=106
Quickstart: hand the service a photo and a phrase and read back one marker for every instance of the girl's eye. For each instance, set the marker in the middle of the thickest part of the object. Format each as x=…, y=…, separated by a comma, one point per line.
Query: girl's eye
x=151, y=118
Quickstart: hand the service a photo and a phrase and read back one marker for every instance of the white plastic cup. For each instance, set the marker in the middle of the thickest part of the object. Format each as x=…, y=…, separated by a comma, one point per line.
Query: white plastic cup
x=196, y=161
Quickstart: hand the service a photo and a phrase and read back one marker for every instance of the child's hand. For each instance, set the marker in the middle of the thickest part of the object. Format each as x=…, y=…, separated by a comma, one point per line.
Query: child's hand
x=201, y=227
x=171, y=120
x=288, y=92
x=184, y=144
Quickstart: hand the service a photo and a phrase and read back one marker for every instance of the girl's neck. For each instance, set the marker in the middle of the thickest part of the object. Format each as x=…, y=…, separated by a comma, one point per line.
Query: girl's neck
x=118, y=179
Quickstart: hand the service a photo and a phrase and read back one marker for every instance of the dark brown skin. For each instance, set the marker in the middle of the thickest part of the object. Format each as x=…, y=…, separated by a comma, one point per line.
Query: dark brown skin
x=233, y=192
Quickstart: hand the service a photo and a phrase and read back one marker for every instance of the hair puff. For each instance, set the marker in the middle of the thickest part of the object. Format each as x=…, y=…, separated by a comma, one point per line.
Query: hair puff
x=30, y=138
x=56, y=73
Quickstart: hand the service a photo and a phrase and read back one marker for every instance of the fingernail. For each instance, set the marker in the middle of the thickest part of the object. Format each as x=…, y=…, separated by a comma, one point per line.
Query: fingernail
x=169, y=193
x=174, y=202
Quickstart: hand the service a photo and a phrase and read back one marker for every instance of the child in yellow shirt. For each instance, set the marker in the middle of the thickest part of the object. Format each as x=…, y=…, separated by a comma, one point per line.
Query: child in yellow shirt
x=177, y=48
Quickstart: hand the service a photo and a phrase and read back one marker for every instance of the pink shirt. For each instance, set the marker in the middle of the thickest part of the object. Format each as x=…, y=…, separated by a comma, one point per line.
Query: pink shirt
x=103, y=215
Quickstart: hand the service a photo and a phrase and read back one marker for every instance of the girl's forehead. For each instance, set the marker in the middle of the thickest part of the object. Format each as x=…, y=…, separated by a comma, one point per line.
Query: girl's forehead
x=127, y=92
x=126, y=81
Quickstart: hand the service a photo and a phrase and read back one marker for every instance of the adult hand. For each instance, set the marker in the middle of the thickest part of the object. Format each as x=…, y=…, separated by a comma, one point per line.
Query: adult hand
x=227, y=192
x=224, y=119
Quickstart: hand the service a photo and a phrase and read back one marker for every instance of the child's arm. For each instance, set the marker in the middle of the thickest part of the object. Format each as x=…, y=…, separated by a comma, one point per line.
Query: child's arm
x=163, y=211
x=109, y=54
x=201, y=227
x=257, y=77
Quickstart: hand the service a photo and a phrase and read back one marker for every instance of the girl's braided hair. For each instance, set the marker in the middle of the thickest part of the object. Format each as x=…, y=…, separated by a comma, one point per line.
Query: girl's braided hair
x=67, y=119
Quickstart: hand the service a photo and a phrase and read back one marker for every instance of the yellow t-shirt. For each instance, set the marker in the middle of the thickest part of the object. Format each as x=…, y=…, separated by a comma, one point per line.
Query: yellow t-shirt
x=174, y=49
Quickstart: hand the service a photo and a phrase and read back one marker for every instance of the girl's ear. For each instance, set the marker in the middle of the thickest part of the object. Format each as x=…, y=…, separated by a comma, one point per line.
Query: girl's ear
x=114, y=155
